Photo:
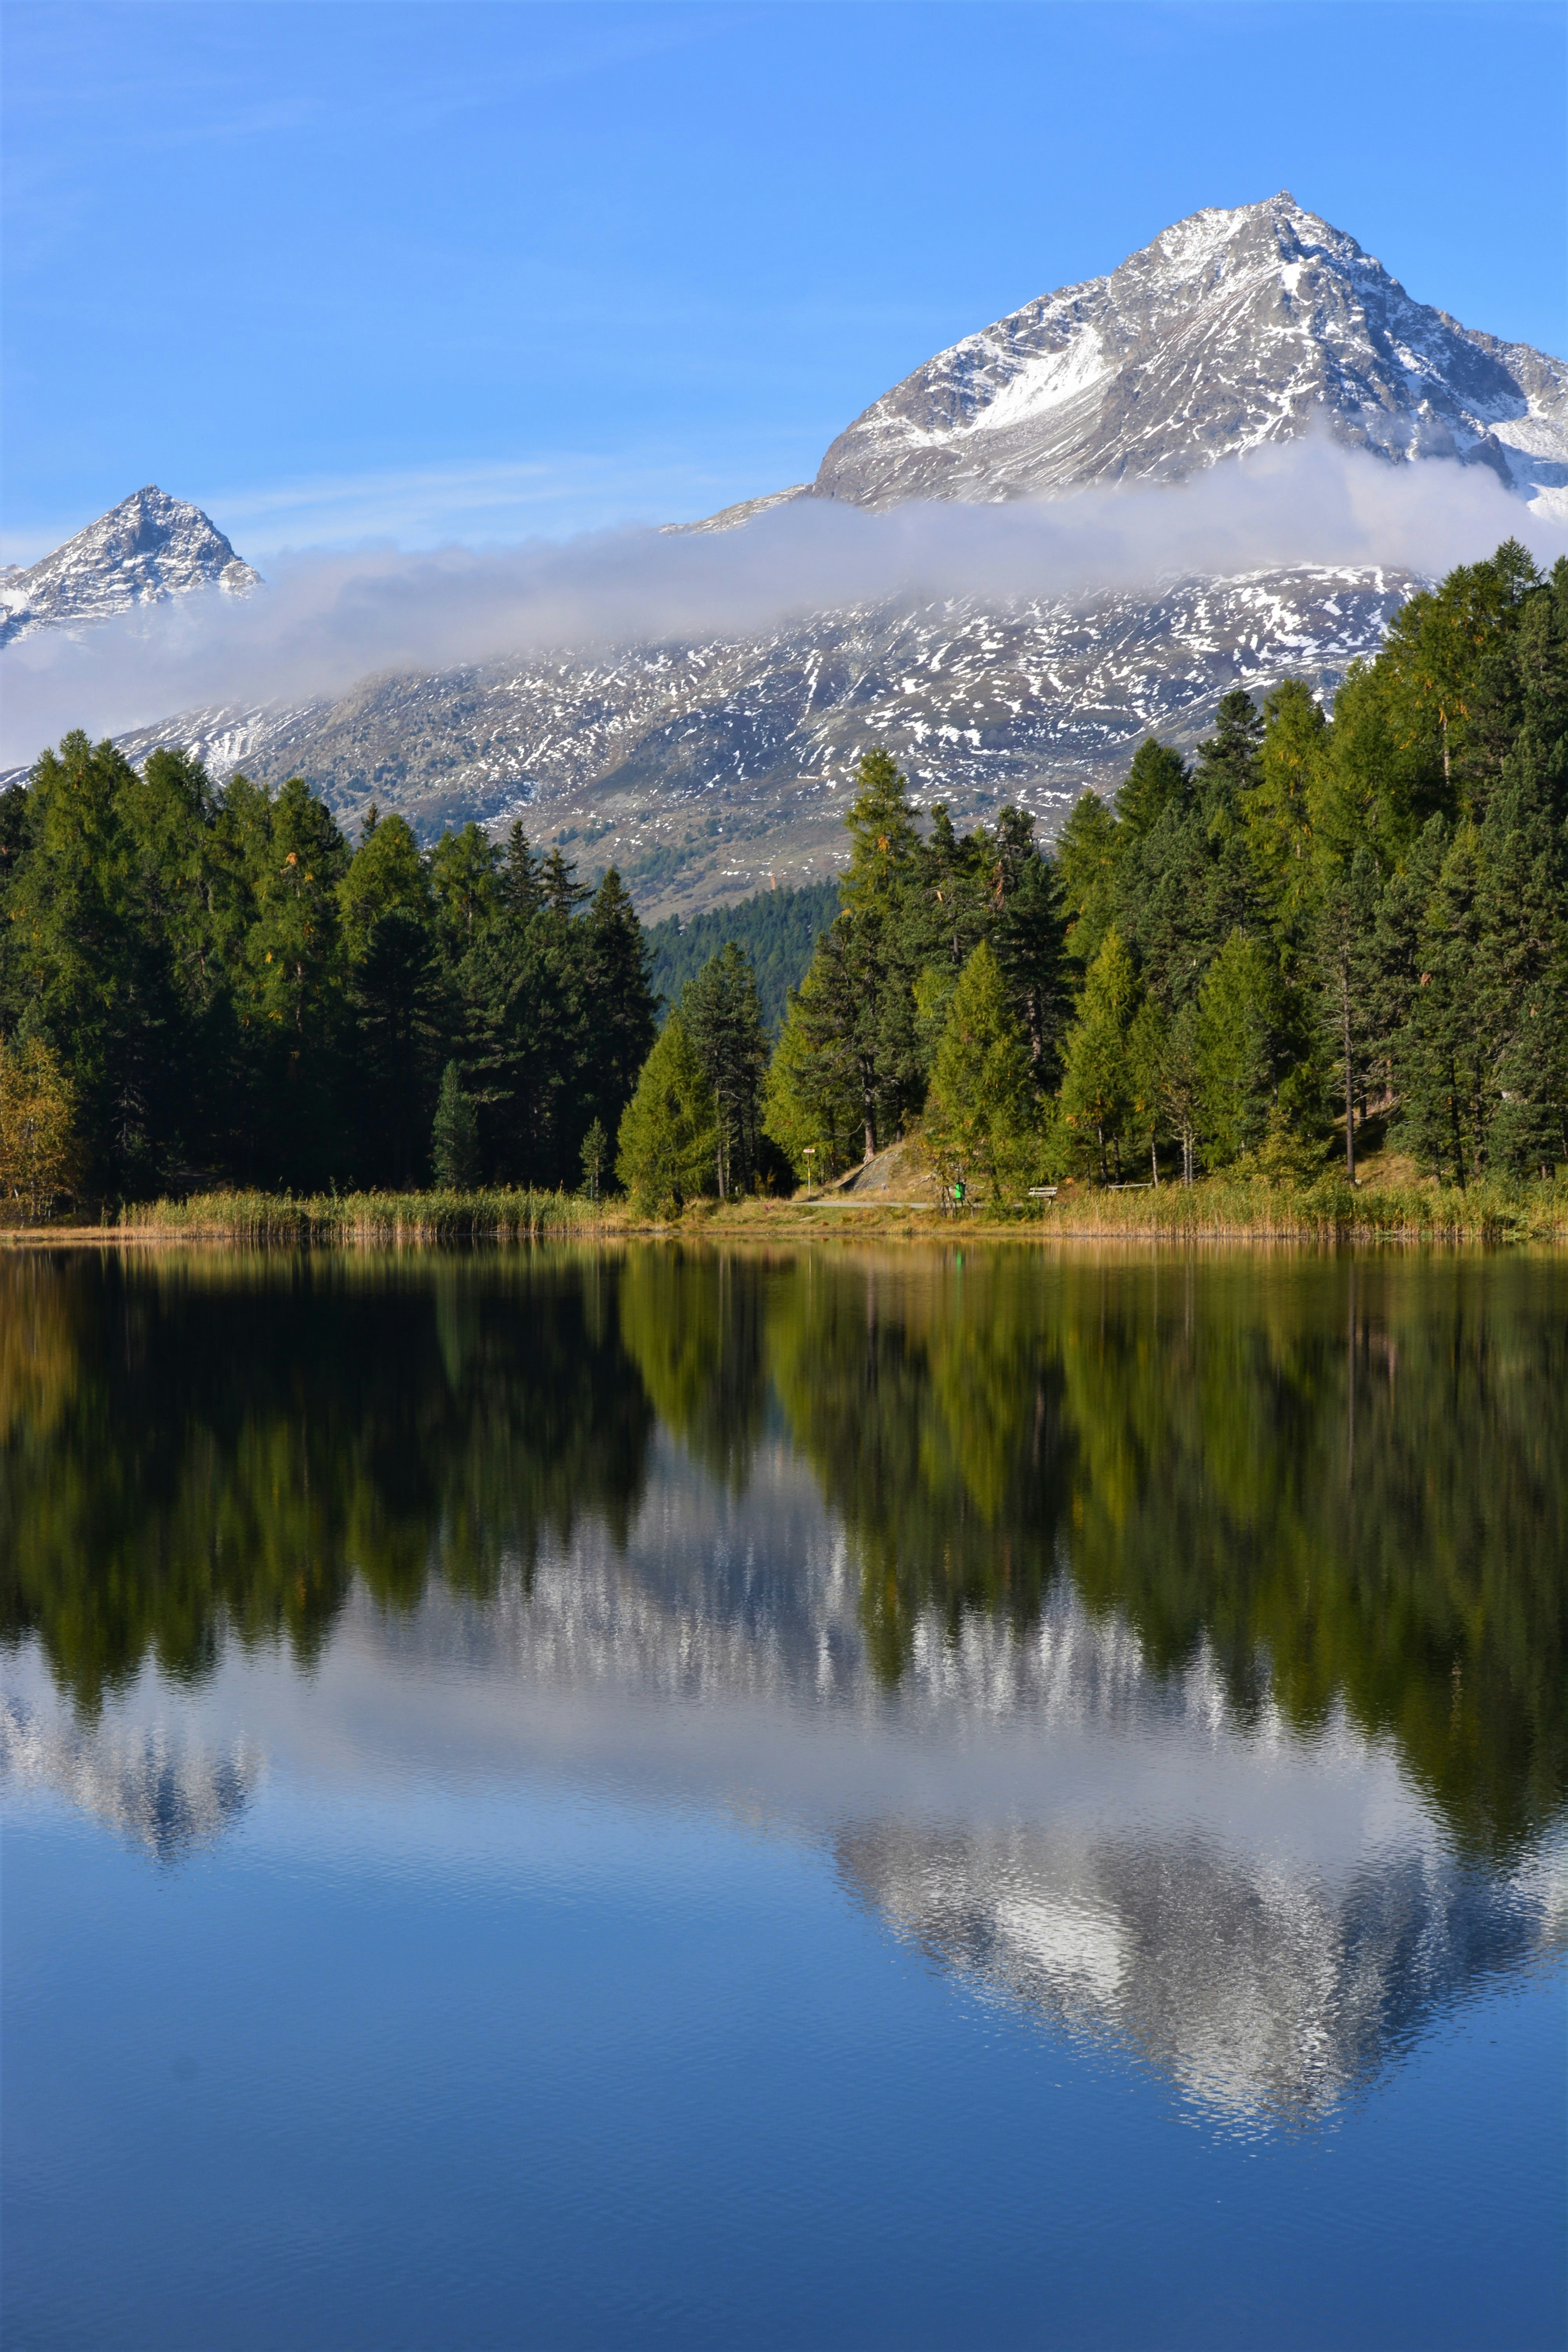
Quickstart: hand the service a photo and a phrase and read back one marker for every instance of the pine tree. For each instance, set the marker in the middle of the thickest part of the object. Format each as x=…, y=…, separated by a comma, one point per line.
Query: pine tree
x=1086, y=858
x=1148, y=1041
x=618, y=1023
x=595, y=1155
x=1028, y=935
x=394, y=982
x=1240, y=1020
x=1155, y=783
x=1182, y=1085
x=724, y=1022
x=92, y=966
x=465, y=887
x=1226, y=773
x=521, y=885
x=668, y=1147
x=562, y=893
x=1445, y=1051
x=1344, y=951
x=1097, y=1081
x=980, y=1112
x=870, y=971
x=809, y=1101
x=455, y=1135
x=946, y=903
x=1280, y=809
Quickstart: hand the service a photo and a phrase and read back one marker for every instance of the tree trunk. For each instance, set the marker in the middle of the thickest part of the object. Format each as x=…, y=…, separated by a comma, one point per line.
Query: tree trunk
x=1350, y=1083
x=1037, y=1036
x=868, y=1109
x=1154, y=1163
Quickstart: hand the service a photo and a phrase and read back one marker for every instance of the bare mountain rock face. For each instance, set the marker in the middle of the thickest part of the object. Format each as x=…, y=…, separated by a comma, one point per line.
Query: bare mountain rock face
x=704, y=770
x=147, y=549
x=1232, y=330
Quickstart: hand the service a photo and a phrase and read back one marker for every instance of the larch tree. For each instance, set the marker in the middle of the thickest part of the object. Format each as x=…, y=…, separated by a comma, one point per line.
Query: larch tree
x=981, y=1110
x=668, y=1147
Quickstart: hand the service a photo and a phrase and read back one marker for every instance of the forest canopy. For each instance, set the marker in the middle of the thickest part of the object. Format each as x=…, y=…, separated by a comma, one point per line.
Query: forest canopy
x=230, y=992
x=1321, y=920
x=1362, y=915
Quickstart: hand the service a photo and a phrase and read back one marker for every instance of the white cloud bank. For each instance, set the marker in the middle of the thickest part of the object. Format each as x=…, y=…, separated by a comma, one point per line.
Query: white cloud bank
x=327, y=620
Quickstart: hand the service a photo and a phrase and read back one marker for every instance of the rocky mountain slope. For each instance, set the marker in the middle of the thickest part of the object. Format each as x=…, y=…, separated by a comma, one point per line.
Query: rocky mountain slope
x=1233, y=329
x=704, y=769
x=147, y=549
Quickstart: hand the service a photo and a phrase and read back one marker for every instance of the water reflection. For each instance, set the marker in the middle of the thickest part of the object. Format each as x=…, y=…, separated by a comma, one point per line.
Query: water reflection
x=162, y=1793
x=1173, y=1648
x=1260, y=1991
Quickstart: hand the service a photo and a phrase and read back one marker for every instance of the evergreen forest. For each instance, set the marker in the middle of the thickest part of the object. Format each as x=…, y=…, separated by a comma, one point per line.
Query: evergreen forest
x=226, y=992
x=777, y=928
x=1319, y=923
x=1323, y=928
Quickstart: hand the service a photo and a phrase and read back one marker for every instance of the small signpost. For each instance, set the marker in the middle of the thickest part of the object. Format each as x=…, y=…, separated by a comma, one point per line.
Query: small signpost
x=808, y=1155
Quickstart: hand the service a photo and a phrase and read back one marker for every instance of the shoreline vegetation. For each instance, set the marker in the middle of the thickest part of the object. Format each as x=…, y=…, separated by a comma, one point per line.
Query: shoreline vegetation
x=1312, y=982
x=1223, y=1208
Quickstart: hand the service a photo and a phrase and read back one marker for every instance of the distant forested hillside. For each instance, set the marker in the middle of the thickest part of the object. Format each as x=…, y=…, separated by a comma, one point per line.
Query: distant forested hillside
x=778, y=929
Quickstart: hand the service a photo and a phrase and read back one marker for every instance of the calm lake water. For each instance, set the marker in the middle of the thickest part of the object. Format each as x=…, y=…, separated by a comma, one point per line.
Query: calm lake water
x=952, y=1798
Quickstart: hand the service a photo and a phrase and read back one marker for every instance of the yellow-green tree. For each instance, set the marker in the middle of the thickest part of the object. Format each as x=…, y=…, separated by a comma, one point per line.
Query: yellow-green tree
x=1280, y=814
x=668, y=1147
x=809, y=1100
x=38, y=1131
x=1096, y=1084
x=980, y=1112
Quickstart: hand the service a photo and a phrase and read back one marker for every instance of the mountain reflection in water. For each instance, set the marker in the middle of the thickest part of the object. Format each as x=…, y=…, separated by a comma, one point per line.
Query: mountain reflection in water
x=1173, y=1647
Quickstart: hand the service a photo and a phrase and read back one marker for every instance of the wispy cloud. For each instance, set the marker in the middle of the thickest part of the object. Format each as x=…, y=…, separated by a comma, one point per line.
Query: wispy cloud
x=326, y=621
x=207, y=102
x=484, y=503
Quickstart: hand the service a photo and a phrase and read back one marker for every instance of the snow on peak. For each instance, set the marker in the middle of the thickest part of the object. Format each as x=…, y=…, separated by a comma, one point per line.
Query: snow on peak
x=149, y=547
x=1233, y=328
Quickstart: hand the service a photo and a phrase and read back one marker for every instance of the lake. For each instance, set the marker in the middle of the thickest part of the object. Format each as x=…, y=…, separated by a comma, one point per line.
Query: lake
x=839, y=1798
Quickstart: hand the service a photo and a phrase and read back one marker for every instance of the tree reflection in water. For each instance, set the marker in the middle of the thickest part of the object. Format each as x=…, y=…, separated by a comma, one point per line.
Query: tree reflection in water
x=1342, y=1482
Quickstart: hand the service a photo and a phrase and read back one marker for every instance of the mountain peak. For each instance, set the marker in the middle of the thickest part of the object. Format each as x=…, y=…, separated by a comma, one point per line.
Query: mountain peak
x=147, y=549
x=1236, y=327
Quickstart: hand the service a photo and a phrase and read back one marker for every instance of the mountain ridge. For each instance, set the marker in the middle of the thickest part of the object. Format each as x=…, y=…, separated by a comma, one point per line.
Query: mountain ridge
x=148, y=549
x=703, y=768
x=1268, y=319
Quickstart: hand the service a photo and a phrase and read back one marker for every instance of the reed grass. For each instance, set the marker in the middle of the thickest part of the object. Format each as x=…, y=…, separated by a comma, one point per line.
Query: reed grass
x=1224, y=1208
x=1215, y=1208
x=499, y=1213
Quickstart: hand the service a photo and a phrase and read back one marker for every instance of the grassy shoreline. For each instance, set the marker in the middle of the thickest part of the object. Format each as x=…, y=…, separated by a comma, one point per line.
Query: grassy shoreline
x=1215, y=1209
x=336, y=1219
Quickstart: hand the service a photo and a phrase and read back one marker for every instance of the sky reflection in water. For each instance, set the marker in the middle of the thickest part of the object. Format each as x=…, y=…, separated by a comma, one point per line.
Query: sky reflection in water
x=1162, y=1661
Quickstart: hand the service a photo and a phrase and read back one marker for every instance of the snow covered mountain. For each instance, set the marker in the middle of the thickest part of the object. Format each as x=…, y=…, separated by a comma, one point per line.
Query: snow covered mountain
x=147, y=549
x=1233, y=329
x=704, y=769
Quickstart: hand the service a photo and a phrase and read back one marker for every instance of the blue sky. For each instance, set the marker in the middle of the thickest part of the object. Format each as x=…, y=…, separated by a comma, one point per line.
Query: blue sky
x=343, y=272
